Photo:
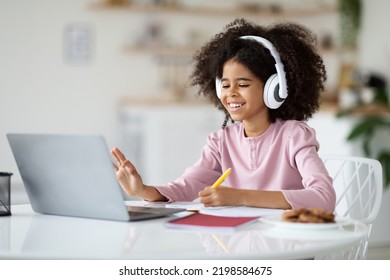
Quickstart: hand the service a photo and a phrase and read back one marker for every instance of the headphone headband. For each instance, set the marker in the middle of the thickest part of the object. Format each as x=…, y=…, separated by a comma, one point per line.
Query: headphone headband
x=267, y=44
x=275, y=90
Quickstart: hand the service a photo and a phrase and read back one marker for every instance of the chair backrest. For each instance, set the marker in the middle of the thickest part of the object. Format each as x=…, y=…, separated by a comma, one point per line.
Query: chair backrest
x=358, y=183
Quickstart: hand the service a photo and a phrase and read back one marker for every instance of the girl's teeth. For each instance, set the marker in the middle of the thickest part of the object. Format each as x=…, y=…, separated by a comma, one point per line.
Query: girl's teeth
x=235, y=105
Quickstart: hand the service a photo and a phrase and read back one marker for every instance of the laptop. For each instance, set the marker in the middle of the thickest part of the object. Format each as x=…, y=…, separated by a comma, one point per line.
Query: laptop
x=72, y=175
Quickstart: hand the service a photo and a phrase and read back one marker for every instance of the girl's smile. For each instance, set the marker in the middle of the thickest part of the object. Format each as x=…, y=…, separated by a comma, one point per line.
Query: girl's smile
x=234, y=107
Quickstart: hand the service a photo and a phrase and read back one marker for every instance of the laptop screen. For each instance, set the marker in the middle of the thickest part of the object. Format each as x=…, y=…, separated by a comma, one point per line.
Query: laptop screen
x=70, y=175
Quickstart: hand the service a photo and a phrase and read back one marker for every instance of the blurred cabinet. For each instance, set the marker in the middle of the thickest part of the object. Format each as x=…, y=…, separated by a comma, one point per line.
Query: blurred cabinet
x=162, y=141
x=332, y=134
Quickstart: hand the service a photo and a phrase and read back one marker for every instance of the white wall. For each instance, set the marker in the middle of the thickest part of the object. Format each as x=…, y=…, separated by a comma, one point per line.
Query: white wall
x=374, y=41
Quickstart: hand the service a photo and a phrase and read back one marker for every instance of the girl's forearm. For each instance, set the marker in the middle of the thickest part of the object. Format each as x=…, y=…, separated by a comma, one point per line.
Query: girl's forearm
x=152, y=194
x=265, y=199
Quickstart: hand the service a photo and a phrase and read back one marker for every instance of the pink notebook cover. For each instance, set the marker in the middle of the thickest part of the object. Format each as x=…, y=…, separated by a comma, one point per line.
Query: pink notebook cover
x=209, y=222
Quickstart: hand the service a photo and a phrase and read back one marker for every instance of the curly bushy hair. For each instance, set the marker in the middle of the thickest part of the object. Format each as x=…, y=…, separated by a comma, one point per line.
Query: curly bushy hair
x=304, y=67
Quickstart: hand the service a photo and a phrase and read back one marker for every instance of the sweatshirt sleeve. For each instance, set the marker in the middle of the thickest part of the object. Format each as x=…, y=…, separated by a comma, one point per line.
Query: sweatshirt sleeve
x=318, y=191
x=195, y=178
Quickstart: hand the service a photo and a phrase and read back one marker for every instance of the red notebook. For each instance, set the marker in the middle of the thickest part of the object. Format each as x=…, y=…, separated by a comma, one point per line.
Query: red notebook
x=199, y=221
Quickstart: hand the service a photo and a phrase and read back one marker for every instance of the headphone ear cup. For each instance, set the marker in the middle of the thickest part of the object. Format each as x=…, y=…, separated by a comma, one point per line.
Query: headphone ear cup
x=271, y=94
x=218, y=87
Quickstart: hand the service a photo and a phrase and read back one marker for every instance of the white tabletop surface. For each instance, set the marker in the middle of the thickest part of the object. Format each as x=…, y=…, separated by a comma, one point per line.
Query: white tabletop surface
x=27, y=235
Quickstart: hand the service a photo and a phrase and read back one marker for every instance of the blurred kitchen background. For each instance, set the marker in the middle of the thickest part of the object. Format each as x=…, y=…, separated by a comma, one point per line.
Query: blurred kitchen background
x=120, y=68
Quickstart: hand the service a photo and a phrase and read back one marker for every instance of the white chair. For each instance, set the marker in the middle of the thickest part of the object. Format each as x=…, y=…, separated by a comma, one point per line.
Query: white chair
x=358, y=183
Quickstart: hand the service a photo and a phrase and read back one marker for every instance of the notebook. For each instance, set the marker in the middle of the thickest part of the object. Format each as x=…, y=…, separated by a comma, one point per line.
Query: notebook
x=72, y=175
x=228, y=211
x=204, y=222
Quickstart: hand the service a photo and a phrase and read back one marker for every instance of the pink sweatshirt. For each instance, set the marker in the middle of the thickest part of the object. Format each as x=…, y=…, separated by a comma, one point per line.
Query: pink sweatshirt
x=284, y=158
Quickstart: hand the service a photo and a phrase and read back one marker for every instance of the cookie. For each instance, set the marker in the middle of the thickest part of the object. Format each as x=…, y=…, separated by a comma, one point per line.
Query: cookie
x=312, y=215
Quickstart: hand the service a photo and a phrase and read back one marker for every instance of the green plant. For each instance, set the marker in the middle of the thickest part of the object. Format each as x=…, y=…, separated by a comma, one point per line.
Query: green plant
x=350, y=20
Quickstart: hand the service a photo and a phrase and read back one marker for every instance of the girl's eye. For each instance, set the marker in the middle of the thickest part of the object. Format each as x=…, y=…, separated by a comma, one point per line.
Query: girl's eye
x=225, y=86
x=243, y=85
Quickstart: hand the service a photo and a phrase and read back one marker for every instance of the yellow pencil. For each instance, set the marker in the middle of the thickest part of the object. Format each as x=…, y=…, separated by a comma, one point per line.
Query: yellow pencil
x=222, y=178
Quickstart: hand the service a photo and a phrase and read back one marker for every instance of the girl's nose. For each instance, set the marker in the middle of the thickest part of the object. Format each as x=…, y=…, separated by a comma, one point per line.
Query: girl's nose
x=232, y=91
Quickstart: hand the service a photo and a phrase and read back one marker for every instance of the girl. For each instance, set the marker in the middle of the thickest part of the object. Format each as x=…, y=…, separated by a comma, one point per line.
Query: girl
x=268, y=81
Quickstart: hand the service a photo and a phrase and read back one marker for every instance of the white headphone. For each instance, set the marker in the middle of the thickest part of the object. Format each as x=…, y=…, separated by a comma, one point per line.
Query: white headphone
x=275, y=88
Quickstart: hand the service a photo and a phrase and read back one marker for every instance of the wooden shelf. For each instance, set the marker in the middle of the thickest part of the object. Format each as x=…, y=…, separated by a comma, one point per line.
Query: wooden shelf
x=180, y=50
x=372, y=110
x=242, y=10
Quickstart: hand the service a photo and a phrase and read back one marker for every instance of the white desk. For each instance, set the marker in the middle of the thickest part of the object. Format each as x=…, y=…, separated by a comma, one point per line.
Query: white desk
x=26, y=235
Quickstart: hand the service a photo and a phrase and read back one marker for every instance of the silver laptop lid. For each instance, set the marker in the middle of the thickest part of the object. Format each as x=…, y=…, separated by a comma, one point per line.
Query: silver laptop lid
x=70, y=175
